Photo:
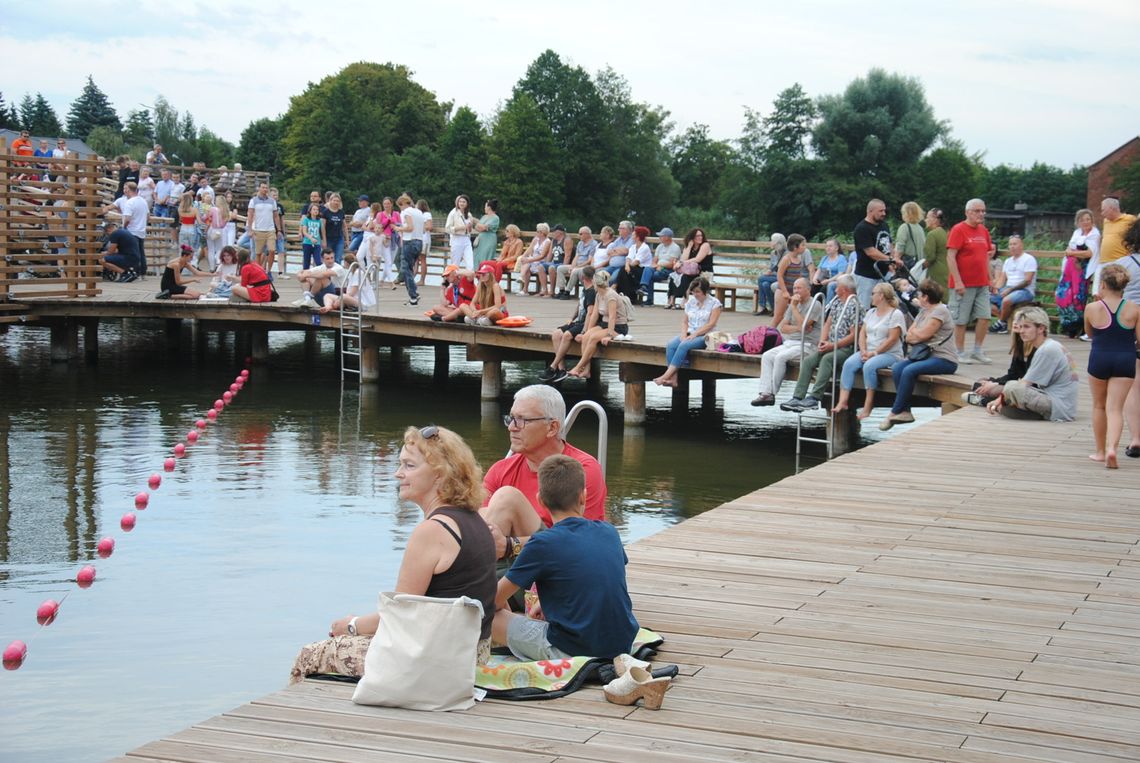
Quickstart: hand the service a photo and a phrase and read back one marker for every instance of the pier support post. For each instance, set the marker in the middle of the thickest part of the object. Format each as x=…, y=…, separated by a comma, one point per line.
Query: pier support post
x=64, y=340
x=634, y=403
x=91, y=341
x=259, y=338
x=595, y=387
x=369, y=358
x=708, y=394
x=843, y=428
x=680, y=402
x=442, y=363
x=173, y=328
x=492, y=380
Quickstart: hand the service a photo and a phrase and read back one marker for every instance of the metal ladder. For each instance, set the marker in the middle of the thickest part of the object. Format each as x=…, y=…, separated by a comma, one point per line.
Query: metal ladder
x=352, y=321
x=826, y=416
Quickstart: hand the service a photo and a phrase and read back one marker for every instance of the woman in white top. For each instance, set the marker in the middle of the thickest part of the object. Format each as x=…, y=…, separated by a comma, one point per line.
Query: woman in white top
x=880, y=346
x=458, y=225
x=1082, y=261
x=702, y=311
x=538, y=251
x=422, y=206
x=602, y=253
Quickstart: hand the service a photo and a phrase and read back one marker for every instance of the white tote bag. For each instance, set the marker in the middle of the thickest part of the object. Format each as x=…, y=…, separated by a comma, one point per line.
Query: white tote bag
x=423, y=654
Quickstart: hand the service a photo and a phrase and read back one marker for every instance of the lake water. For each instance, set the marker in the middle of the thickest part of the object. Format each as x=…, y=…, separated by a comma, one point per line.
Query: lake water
x=282, y=518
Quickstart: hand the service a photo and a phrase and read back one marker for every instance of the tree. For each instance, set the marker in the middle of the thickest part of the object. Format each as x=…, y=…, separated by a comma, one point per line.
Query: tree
x=106, y=141
x=575, y=111
x=346, y=131
x=90, y=110
x=463, y=153
x=871, y=137
x=788, y=128
x=519, y=170
x=948, y=177
x=1126, y=181
x=698, y=163
x=260, y=147
x=214, y=151
x=1042, y=186
x=140, y=129
x=38, y=117
x=8, y=117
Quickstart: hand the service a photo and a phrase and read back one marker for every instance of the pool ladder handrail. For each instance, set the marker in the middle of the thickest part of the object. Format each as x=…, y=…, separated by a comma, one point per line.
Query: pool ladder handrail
x=603, y=427
x=351, y=320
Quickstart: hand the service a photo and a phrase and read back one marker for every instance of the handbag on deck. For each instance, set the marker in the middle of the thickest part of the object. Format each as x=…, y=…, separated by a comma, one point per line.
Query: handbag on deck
x=423, y=654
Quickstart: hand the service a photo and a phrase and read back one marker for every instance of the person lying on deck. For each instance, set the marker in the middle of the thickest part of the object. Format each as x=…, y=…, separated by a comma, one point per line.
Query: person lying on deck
x=578, y=566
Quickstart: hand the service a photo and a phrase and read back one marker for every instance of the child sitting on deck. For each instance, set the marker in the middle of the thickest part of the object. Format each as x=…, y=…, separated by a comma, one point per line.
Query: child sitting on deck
x=579, y=568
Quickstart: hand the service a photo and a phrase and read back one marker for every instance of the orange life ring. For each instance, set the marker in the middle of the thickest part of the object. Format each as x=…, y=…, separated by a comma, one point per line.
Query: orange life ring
x=513, y=321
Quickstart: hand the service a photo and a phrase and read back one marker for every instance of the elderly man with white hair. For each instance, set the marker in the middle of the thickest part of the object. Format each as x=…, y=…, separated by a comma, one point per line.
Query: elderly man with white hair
x=800, y=329
x=1115, y=224
x=535, y=428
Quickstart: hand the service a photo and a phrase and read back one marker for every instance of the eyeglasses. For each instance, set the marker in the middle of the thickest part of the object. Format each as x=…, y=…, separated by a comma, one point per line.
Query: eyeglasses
x=429, y=432
x=518, y=422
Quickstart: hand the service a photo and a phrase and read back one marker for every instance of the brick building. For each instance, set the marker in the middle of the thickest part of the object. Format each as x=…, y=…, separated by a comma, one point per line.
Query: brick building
x=1100, y=175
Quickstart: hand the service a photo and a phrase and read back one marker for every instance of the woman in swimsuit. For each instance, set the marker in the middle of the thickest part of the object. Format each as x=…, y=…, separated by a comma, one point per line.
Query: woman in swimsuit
x=1114, y=325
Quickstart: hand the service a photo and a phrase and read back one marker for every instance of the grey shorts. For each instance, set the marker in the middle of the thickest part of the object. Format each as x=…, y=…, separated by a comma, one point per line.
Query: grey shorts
x=527, y=640
x=975, y=303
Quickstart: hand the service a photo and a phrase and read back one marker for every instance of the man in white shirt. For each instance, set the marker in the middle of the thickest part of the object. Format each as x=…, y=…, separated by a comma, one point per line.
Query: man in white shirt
x=326, y=278
x=359, y=220
x=135, y=213
x=155, y=157
x=666, y=253
x=165, y=202
x=262, y=221
x=413, y=238
x=1014, y=284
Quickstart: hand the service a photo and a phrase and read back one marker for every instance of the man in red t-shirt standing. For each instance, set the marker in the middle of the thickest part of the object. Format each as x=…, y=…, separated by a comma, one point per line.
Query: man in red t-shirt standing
x=535, y=426
x=968, y=253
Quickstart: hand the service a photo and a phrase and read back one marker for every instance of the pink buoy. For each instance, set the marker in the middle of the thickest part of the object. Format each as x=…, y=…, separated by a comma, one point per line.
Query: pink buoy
x=180, y=450
x=105, y=548
x=46, y=612
x=154, y=481
x=245, y=373
x=200, y=423
x=142, y=499
x=168, y=464
x=219, y=405
x=85, y=577
x=234, y=387
x=227, y=396
x=212, y=415
x=14, y=655
x=128, y=521
x=192, y=435
x=239, y=379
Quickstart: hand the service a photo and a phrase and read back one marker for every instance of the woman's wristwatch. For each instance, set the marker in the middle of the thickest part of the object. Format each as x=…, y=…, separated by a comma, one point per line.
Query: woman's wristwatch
x=352, y=627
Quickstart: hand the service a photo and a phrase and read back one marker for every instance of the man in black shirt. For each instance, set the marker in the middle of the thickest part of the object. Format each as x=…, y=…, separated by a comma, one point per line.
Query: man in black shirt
x=122, y=254
x=872, y=246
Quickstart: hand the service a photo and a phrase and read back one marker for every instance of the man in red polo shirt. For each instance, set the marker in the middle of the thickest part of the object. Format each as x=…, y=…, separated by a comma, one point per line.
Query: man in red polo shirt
x=535, y=426
x=968, y=252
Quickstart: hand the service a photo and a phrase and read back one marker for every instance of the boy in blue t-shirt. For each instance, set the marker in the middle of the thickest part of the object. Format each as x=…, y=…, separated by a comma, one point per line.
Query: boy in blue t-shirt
x=579, y=568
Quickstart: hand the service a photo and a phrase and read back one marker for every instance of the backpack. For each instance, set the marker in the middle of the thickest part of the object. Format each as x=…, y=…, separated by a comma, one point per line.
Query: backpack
x=758, y=340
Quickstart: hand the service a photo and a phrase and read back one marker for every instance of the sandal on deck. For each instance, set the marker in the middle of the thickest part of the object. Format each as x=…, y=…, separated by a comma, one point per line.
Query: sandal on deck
x=637, y=684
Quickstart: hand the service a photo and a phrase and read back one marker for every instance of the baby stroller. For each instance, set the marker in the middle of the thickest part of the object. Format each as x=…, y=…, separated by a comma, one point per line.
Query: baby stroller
x=900, y=279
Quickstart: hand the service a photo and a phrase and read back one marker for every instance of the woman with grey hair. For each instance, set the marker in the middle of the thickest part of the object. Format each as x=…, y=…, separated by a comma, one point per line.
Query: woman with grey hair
x=765, y=297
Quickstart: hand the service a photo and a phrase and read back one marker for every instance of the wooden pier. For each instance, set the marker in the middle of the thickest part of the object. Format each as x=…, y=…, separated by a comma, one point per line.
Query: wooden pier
x=968, y=591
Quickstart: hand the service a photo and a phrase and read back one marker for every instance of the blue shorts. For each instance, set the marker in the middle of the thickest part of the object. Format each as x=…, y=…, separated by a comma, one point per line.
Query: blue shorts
x=1112, y=365
x=320, y=295
x=121, y=260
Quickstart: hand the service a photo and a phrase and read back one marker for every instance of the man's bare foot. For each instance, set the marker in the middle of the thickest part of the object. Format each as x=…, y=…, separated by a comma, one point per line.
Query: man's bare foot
x=1110, y=460
x=1096, y=457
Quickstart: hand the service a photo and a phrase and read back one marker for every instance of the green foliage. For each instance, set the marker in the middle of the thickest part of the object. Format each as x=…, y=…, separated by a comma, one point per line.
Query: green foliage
x=38, y=117
x=947, y=177
x=519, y=168
x=698, y=164
x=140, y=129
x=574, y=109
x=212, y=150
x=106, y=141
x=9, y=118
x=787, y=129
x=90, y=110
x=1126, y=180
x=346, y=131
x=1041, y=186
x=260, y=146
x=462, y=155
x=183, y=141
x=423, y=173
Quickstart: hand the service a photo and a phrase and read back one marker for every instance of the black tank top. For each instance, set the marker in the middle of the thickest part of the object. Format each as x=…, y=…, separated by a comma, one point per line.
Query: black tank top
x=473, y=571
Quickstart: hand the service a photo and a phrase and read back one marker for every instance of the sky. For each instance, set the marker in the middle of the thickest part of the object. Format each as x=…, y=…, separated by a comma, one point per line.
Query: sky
x=1040, y=80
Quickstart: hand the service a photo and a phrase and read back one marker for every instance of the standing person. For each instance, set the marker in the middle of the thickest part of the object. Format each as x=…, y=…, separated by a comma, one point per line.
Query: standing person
x=665, y=255
x=424, y=207
x=412, y=226
x=488, y=230
x=231, y=222
x=1082, y=258
x=934, y=250
x=128, y=173
x=458, y=226
x=360, y=218
x=766, y=283
x=262, y=221
x=702, y=311
x=312, y=236
x=135, y=213
x=639, y=260
x=933, y=326
x=217, y=218
x=146, y=186
x=910, y=240
x=188, y=222
x=164, y=198
x=872, y=246
x=968, y=254
x=880, y=346
x=1116, y=223
x=1114, y=325
x=1048, y=390
x=155, y=156
x=390, y=225
x=336, y=227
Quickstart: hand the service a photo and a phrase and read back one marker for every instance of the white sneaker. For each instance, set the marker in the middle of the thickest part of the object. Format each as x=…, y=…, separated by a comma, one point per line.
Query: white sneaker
x=965, y=359
x=469, y=320
x=301, y=302
x=980, y=356
x=482, y=320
